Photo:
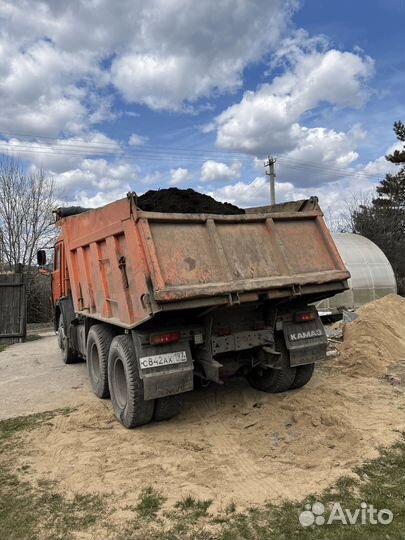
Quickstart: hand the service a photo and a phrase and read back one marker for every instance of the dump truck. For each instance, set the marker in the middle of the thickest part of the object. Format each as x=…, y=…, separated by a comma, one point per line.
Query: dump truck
x=157, y=302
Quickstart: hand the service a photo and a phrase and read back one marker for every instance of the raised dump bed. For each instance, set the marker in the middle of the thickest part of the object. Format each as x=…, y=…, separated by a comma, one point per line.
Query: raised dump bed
x=125, y=263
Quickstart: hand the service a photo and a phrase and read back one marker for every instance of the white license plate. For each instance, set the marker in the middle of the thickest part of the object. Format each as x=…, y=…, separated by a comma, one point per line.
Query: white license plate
x=165, y=359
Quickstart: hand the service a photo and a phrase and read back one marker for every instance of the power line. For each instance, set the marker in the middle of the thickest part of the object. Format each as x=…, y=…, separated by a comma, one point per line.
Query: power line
x=157, y=153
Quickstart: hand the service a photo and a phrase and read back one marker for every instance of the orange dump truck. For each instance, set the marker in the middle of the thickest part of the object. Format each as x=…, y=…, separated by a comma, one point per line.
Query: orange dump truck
x=156, y=301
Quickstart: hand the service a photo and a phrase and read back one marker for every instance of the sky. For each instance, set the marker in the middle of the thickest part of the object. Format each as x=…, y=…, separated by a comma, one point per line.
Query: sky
x=110, y=97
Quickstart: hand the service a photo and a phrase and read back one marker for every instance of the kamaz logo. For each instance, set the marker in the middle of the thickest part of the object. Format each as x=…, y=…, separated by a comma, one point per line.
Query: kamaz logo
x=305, y=335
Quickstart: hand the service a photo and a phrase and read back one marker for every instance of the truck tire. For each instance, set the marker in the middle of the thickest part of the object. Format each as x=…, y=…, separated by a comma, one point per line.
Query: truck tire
x=272, y=380
x=69, y=355
x=167, y=407
x=126, y=387
x=303, y=375
x=98, y=344
x=60, y=332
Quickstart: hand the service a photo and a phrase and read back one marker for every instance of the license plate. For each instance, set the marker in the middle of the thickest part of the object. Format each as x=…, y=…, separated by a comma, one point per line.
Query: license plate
x=166, y=359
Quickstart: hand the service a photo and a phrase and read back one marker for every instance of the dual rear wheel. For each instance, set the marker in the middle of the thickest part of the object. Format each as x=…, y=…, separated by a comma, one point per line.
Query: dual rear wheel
x=280, y=380
x=273, y=380
x=113, y=371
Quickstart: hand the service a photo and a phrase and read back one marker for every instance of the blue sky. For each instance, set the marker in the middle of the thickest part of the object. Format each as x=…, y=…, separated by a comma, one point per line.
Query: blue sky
x=140, y=95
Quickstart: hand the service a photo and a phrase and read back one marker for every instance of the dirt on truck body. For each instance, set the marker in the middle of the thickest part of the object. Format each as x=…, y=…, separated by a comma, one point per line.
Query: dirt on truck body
x=155, y=300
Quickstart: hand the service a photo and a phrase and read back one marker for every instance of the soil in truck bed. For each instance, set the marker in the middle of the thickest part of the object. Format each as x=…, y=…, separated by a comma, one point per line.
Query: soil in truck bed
x=185, y=201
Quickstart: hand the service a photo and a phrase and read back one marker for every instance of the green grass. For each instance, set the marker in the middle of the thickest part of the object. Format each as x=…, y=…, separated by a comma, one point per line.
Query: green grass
x=192, y=508
x=44, y=514
x=149, y=503
x=3, y=347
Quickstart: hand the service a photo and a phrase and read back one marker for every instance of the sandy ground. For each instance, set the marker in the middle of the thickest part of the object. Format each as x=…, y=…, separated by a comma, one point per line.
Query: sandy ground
x=230, y=443
x=33, y=378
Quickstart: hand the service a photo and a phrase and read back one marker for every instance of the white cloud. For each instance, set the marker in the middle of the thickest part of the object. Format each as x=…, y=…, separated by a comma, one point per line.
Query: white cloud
x=381, y=166
x=257, y=192
x=96, y=175
x=164, y=54
x=62, y=154
x=217, y=171
x=95, y=200
x=179, y=176
x=151, y=178
x=137, y=140
x=269, y=119
x=182, y=52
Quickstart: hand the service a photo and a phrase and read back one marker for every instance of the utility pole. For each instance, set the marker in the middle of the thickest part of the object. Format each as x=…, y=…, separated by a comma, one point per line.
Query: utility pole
x=272, y=174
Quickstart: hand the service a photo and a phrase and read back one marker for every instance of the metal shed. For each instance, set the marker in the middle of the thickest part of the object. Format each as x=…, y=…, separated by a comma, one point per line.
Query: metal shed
x=372, y=276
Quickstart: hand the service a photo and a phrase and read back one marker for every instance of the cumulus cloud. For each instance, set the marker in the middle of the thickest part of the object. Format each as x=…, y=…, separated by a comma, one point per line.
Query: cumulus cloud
x=177, y=58
x=137, y=140
x=381, y=166
x=332, y=197
x=96, y=175
x=216, y=171
x=179, y=176
x=61, y=154
x=269, y=119
x=164, y=54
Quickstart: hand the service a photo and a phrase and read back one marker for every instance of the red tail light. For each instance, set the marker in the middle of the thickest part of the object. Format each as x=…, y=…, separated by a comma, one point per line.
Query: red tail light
x=306, y=316
x=163, y=339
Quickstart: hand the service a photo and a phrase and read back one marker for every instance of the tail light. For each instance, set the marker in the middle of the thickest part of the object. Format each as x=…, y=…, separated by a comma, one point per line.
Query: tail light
x=163, y=339
x=306, y=316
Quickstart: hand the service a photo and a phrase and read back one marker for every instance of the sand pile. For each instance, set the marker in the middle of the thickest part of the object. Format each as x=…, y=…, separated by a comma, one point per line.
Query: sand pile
x=376, y=340
x=184, y=201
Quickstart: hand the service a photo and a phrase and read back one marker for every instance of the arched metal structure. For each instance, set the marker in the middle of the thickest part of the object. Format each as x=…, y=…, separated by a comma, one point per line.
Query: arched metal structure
x=372, y=276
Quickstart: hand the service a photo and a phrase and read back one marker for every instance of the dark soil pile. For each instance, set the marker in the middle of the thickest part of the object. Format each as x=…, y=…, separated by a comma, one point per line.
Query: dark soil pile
x=184, y=201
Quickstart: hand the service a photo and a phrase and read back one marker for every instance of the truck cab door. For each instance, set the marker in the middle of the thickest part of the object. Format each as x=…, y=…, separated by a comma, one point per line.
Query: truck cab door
x=57, y=273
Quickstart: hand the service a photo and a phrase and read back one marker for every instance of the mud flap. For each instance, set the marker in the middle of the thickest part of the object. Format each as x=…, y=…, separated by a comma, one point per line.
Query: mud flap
x=306, y=342
x=166, y=370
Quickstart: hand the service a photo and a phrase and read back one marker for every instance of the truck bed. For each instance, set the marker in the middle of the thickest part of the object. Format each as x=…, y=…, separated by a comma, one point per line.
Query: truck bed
x=126, y=264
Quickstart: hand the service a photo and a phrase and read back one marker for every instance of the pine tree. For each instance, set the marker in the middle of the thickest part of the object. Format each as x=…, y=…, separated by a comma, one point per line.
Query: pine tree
x=391, y=191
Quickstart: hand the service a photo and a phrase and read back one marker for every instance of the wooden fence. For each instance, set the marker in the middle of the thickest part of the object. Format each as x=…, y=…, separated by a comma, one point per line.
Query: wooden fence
x=13, y=308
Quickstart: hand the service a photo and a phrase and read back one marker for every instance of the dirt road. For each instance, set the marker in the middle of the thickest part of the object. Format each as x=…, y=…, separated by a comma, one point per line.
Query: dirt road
x=33, y=378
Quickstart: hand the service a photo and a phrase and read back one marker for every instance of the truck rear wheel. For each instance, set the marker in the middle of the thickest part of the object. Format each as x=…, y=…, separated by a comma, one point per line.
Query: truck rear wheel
x=167, y=407
x=272, y=380
x=303, y=375
x=126, y=387
x=69, y=355
x=98, y=344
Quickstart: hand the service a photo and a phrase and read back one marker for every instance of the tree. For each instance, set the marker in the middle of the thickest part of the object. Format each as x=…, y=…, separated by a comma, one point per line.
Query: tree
x=383, y=220
x=26, y=223
x=26, y=204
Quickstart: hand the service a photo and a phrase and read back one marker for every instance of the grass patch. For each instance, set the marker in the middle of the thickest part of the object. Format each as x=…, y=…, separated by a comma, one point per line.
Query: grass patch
x=193, y=508
x=3, y=347
x=150, y=502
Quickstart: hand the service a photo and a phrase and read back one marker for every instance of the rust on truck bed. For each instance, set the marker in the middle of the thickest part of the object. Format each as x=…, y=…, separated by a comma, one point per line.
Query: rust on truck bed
x=126, y=264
